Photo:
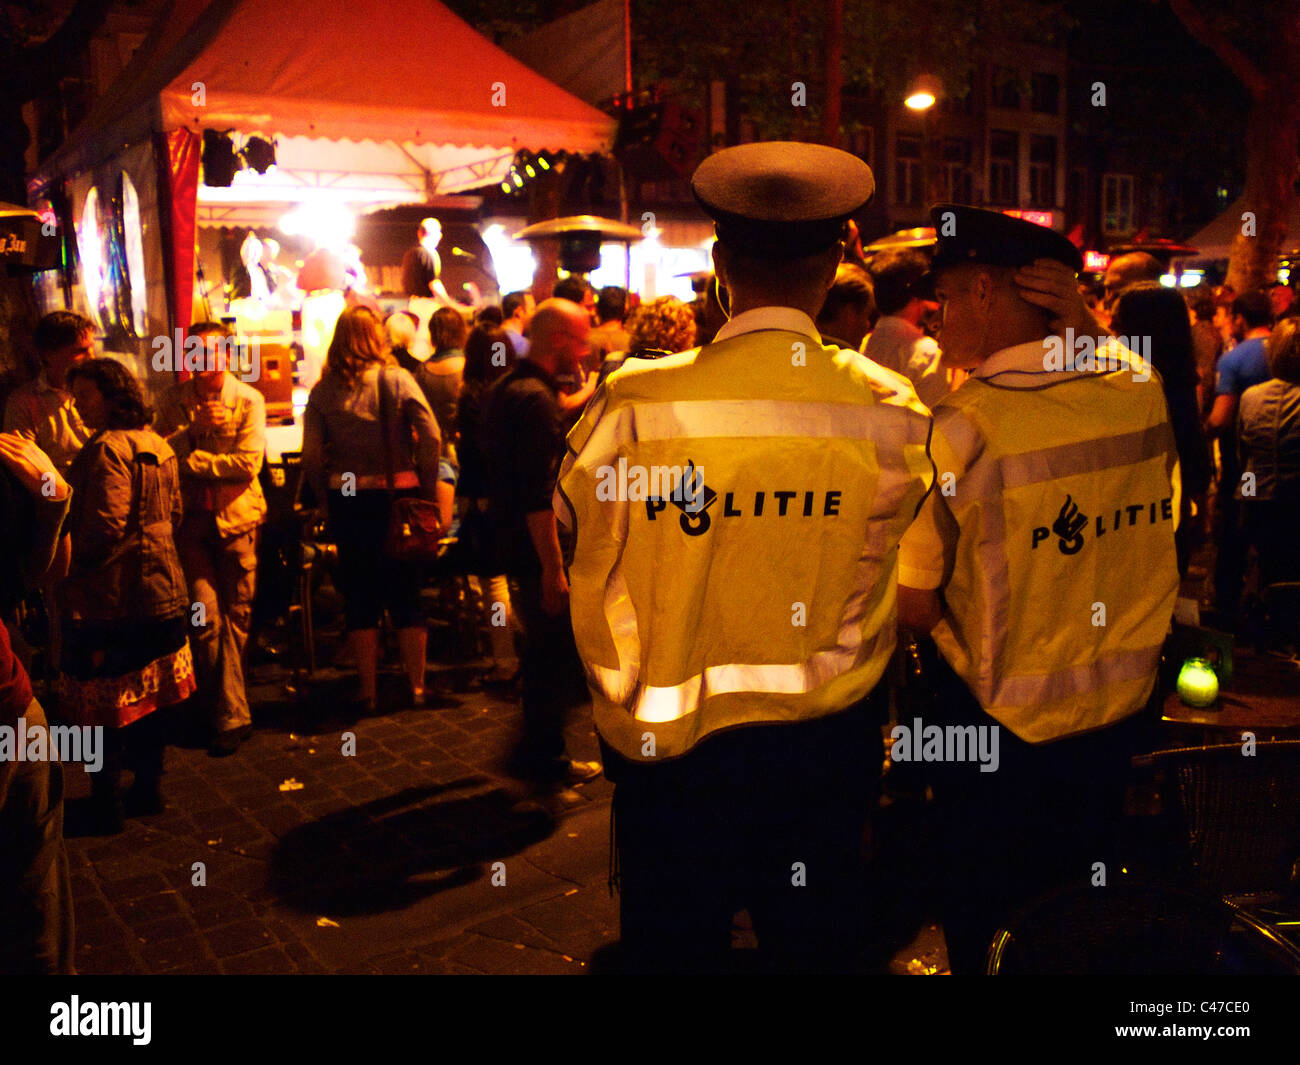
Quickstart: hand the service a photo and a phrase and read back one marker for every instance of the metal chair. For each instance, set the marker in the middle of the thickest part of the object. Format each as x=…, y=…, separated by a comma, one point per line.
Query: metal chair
x=454, y=612
x=1132, y=928
x=1236, y=819
x=1281, y=604
x=1238, y=813
x=296, y=548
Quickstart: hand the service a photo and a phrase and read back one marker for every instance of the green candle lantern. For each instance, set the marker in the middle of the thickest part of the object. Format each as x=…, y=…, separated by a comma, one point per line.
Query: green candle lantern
x=1198, y=684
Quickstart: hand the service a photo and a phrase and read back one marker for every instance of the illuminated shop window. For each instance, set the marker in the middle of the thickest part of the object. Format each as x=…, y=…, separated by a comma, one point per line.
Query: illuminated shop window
x=133, y=239
x=90, y=246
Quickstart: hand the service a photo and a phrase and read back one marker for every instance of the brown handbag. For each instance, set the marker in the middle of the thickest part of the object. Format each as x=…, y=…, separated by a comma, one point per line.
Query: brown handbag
x=413, y=525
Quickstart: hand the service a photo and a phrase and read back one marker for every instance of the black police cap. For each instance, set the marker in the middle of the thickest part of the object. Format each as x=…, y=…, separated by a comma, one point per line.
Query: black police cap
x=781, y=199
x=974, y=235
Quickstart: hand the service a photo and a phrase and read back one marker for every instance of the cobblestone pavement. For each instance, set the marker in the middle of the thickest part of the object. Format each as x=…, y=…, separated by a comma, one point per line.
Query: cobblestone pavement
x=389, y=844
x=412, y=853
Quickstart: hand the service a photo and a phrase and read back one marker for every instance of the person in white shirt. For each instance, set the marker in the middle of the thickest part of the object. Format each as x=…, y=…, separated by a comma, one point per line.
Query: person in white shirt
x=898, y=342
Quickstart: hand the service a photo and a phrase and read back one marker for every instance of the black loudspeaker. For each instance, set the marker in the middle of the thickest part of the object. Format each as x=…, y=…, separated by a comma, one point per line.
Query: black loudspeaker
x=258, y=154
x=219, y=161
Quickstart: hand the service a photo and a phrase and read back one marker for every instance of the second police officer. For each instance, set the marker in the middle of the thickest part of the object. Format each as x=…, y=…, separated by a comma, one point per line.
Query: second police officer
x=1043, y=563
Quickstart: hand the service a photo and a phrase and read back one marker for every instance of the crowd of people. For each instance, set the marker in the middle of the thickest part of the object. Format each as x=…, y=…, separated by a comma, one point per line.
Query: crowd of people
x=136, y=539
x=135, y=532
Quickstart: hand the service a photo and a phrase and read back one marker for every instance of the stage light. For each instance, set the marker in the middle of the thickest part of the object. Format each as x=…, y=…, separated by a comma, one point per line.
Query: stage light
x=329, y=225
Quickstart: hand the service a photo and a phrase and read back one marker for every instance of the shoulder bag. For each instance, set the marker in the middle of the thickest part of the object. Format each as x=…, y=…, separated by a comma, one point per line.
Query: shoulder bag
x=413, y=525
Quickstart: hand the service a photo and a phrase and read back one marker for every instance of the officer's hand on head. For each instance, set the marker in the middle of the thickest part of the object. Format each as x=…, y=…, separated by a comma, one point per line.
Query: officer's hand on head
x=555, y=592
x=1052, y=285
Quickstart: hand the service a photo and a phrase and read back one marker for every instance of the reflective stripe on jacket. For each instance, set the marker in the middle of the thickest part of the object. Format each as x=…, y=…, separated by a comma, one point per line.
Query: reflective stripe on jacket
x=737, y=512
x=1056, y=501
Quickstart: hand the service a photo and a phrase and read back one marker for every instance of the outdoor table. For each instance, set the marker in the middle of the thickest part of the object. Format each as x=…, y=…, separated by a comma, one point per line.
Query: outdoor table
x=1263, y=698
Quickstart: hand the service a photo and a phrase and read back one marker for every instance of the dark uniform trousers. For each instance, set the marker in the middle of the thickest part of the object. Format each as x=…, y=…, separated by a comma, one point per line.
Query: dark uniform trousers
x=1036, y=824
x=769, y=818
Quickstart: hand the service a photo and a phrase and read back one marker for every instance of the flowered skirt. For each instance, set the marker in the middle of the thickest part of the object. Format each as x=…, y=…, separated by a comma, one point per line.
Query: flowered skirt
x=115, y=673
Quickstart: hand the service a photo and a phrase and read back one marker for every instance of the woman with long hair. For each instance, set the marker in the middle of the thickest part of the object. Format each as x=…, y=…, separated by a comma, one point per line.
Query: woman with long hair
x=127, y=653
x=1153, y=313
x=367, y=418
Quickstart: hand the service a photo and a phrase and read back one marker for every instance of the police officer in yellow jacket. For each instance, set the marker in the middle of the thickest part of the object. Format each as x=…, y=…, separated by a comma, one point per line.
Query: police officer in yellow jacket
x=737, y=511
x=1044, y=564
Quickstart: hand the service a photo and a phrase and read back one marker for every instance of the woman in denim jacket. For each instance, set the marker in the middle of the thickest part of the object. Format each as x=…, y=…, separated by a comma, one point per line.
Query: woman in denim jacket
x=127, y=653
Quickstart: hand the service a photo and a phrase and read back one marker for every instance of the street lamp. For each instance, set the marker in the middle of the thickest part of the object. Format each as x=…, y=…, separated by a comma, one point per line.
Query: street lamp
x=925, y=90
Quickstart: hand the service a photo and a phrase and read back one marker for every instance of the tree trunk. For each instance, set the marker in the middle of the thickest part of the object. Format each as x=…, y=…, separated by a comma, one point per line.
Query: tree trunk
x=1271, y=151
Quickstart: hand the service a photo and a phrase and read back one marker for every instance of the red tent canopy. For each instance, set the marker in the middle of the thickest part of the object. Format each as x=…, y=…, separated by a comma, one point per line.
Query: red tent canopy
x=406, y=71
x=370, y=102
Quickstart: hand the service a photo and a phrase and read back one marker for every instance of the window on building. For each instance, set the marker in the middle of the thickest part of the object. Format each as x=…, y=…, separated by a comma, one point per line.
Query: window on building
x=960, y=100
x=861, y=141
x=959, y=182
x=1042, y=171
x=1006, y=87
x=1045, y=93
x=1004, y=149
x=907, y=170
x=1117, y=203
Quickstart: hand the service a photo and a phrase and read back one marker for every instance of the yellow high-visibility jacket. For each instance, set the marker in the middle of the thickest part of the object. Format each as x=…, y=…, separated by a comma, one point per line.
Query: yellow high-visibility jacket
x=737, y=511
x=1051, y=534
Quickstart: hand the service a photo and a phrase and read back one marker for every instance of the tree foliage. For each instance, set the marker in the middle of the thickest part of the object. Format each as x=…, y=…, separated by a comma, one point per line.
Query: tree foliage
x=501, y=22
x=761, y=48
x=1259, y=42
